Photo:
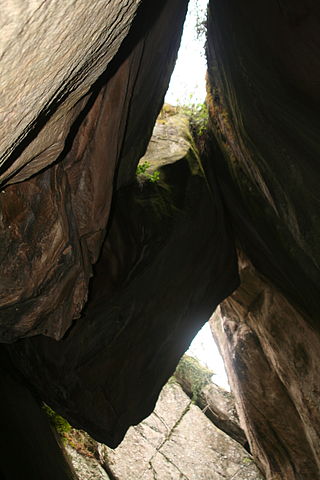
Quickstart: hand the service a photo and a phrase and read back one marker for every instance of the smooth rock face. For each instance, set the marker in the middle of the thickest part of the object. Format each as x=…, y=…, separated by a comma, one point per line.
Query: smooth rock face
x=47, y=67
x=53, y=225
x=177, y=441
x=263, y=72
x=108, y=371
x=272, y=358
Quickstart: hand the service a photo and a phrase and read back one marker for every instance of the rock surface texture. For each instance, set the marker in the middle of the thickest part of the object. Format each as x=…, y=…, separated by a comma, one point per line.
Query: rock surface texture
x=263, y=76
x=53, y=225
x=272, y=358
x=137, y=319
x=264, y=101
x=86, y=467
x=47, y=68
x=106, y=277
x=176, y=442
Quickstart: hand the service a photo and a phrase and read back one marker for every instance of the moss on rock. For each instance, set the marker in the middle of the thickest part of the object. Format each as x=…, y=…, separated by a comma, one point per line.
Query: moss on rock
x=197, y=375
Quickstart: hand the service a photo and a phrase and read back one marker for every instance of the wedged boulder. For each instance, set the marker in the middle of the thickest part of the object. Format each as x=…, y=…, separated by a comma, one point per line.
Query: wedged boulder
x=167, y=261
x=52, y=225
x=272, y=358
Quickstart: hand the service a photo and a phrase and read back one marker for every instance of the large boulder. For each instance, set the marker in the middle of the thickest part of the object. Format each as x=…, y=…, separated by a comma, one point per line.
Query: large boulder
x=167, y=242
x=47, y=68
x=52, y=225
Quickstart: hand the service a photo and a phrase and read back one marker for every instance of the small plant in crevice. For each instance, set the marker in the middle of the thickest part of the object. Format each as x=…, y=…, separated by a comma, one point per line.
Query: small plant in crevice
x=198, y=116
x=61, y=425
x=142, y=171
x=77, y=439
x=198, y=376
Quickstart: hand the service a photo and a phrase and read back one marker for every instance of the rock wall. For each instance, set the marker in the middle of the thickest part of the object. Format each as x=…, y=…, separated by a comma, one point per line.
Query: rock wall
x=273, y=366
x=263, y=71
x=137, y=319
x=263, y=76
x=177, y=441
x=53, y=225
x=56, y=68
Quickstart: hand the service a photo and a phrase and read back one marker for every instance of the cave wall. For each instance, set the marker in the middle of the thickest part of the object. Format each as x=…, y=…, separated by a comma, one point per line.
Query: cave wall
x=160, y=248
x=53, y=225
x=272, y=359
x=263, y=69
x=105, y=279
x=263, y=76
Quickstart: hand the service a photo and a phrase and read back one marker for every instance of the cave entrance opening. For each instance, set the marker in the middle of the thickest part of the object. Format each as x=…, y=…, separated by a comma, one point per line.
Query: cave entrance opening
x=188, y=84
x=205, y=350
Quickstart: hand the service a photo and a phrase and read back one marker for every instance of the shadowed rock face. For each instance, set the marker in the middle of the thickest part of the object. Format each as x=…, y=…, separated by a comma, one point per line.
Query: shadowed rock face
x=160, y=256
x=53, y=225
x=272, y=358
x=264, y=69
x=137, y=322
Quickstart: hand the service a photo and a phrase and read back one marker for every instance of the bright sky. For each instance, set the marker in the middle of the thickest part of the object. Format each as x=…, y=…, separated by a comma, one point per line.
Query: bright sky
x=206, y=351
x=188, y=77
x=187, y=86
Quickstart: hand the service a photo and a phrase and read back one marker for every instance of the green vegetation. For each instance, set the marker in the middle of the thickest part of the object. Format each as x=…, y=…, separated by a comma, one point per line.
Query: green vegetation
x=190, y=370
x=198, y=117
x=77, y=439
x=59, y=423
x=142, y=171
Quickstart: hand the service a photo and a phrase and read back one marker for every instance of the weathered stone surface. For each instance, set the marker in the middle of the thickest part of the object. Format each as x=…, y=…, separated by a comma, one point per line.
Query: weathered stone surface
x=86, y=468
x=177, y=441
x=53, y=225
x=169, y=141
x=215, y=402
x=47, y=67
x=272, y=357
x=263, y=72
x=107, y=373
x=220, y=457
